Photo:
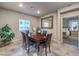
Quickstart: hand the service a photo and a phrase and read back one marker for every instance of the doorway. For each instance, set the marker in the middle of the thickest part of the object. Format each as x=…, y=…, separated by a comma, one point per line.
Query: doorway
x=70, y=30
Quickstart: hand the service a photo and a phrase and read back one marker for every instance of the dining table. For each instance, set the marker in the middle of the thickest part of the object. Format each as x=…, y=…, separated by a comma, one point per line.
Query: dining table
x=38, y=38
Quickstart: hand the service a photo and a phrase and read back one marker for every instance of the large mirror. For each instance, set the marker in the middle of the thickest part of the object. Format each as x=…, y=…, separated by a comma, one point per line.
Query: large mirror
x=47, y=22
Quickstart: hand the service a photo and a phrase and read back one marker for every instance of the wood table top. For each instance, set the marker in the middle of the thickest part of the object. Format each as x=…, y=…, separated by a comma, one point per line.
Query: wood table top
x=39, y=38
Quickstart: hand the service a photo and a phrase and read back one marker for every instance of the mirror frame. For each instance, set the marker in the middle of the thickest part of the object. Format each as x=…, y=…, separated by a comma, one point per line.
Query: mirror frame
x=47, y=18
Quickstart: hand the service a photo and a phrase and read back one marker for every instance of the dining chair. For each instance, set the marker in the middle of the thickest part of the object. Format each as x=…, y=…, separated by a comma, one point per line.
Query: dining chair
x=44, y=33
x=24, y=44
x=30, y=42
x=27, y=41
x=47, y=43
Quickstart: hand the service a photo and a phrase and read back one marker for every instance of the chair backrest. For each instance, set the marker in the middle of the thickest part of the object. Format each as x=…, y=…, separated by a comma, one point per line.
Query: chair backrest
x=44, y=33
x=48, y=40
x=26, y=32
x=28, y=38
x=24, y=37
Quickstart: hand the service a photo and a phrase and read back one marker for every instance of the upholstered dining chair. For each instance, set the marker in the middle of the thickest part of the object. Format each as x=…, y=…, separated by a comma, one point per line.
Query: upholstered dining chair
x=44, y=33
x=27, y=41
x=24, y=41
x=30, y=42
x=47, y=43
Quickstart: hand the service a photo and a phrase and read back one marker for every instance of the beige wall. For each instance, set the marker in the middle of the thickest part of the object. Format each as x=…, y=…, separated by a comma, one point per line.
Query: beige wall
x=57, y=20
x=12, y=18
x=53, y=30
x=70, y=14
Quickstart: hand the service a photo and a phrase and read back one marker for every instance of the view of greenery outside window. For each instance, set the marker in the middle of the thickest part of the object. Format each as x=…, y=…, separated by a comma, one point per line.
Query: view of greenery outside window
x=24, y=25
x=74, y=24
x=71, y=23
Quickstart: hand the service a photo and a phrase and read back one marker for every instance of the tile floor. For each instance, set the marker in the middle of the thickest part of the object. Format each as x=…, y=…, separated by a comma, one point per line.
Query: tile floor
x=71, y=40
x=15, y=49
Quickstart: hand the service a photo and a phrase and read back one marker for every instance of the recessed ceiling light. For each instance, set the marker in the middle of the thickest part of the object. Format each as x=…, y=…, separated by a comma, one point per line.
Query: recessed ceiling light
x=38, y=12
x=20, y=5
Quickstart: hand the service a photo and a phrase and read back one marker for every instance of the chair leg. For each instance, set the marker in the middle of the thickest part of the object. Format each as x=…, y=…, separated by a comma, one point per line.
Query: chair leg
x=46, y=50
x=49, y=49
x=25, y=46
x=28, y=50
x=38, y=49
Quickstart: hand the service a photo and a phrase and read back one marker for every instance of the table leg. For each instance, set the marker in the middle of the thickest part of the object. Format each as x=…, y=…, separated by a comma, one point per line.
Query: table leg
x=38, y=49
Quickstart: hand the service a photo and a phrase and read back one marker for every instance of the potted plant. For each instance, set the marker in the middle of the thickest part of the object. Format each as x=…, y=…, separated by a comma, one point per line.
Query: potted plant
x=6, y=35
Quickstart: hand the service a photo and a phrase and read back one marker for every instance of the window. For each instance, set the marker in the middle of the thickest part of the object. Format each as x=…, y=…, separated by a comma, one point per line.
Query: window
x=73, y=23
x=24, y=25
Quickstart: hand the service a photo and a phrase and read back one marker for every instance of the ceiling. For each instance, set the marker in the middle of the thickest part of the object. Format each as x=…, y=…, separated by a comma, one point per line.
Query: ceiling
x=31, y=8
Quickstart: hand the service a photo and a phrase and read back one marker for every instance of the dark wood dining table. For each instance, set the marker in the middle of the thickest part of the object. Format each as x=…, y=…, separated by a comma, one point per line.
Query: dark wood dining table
x=38, y=38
